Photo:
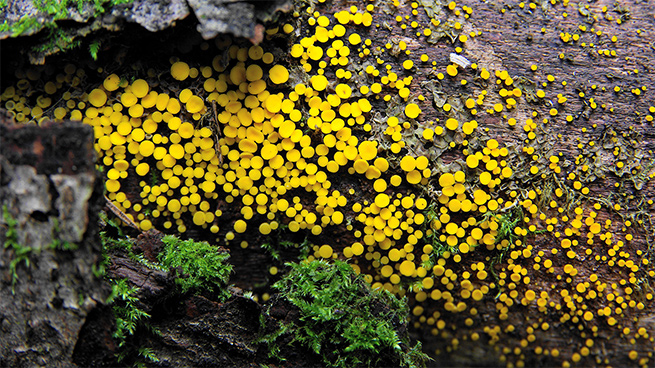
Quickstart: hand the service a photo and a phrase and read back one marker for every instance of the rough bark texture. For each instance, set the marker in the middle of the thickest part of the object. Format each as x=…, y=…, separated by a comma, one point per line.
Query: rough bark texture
x=50, y=188
x=509, y=41
x=238, y=18
x=52, y=310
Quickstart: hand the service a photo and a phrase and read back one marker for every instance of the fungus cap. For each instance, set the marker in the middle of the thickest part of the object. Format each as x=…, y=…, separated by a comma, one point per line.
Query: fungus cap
x=140, y=88
x=97, y=97
x=195, y=104
x=368, y=150
x=112, y=82
x=180, y=70
x=412, y=111
x=254, y=72
x=319, y=82
x=278, y=74
x=240, y=226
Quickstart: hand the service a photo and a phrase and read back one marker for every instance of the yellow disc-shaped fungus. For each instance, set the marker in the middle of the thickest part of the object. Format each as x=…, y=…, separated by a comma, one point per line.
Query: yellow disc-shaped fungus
x=319, y=82
x=412, y=111
x=368, y=150
x=142, y=169
x=265, y=228
x=180, y=70
x=111, y=82
x=278, y=74
x=186, y=130
x=414, y=177
x=472, y=161
x=343, y=91
x=140, y=88
x=240, y=226
x=357, y=249
x=195, y=104
x=382, y=200
x=325, y=251
x=407, y=268
x=408, y=163
x=254, y=72
x=97, y=97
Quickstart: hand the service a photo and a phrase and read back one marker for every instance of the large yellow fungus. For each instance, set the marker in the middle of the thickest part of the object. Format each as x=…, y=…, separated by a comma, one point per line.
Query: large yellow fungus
x=140, y=88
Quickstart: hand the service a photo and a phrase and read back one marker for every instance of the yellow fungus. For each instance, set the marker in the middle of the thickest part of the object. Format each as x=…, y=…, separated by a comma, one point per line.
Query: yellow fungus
x=407, y=268
x=412, y=111
x=325, y=251
x=111, y=83
x=180, y=70
x=195, y=104
x=240, y=226
x=97, y=97
x=278, y=74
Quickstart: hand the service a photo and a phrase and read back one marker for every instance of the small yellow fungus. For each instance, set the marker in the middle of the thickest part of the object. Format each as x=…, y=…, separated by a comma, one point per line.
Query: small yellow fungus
x=408, y=163
x=195, y=104
x=97, y=97
x=240, y=226
x=412, y=111
x=180, y=70
x=407, y=268
x=319, y=82
x=452, y=124
x=265, y=228
x=343, y=91
x=111, y=83
x=140, y=88
x=325, y=251
x=254, y=72
x=368, y=150
x=382, y=200
x=278, y=74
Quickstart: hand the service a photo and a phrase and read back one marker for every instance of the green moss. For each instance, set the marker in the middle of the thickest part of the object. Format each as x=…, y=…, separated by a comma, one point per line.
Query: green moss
x=201, y=268
x=127, y=313
x=342, y=319
x=57, y=40
x=21, y=253
x=203, y=265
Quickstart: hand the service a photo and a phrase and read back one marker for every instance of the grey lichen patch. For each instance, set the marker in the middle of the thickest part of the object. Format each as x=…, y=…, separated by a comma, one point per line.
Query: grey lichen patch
x=72, y=204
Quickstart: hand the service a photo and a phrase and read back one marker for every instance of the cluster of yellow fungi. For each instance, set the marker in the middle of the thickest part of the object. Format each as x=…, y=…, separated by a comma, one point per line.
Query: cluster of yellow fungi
x=274, y=139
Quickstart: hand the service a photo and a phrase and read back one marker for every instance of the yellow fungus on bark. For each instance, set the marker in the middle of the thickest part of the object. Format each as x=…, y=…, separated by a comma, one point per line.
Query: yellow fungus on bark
x=368, y=150
x=140, y=88
x=325, y=251
x=412, y=111
x=97, y=97
x=180, y=70
x=278, y=74
x=240, y=226
x=195, y=104
x=111, y=83
x=407, y=268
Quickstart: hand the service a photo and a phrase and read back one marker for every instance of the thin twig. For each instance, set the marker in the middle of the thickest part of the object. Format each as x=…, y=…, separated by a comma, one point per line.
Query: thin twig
x=120, y=214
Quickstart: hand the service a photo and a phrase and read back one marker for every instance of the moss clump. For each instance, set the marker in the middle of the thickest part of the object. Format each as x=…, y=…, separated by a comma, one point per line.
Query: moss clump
x=203, y=265
x=200, y=268
x=343, y=319
x=21, y=253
